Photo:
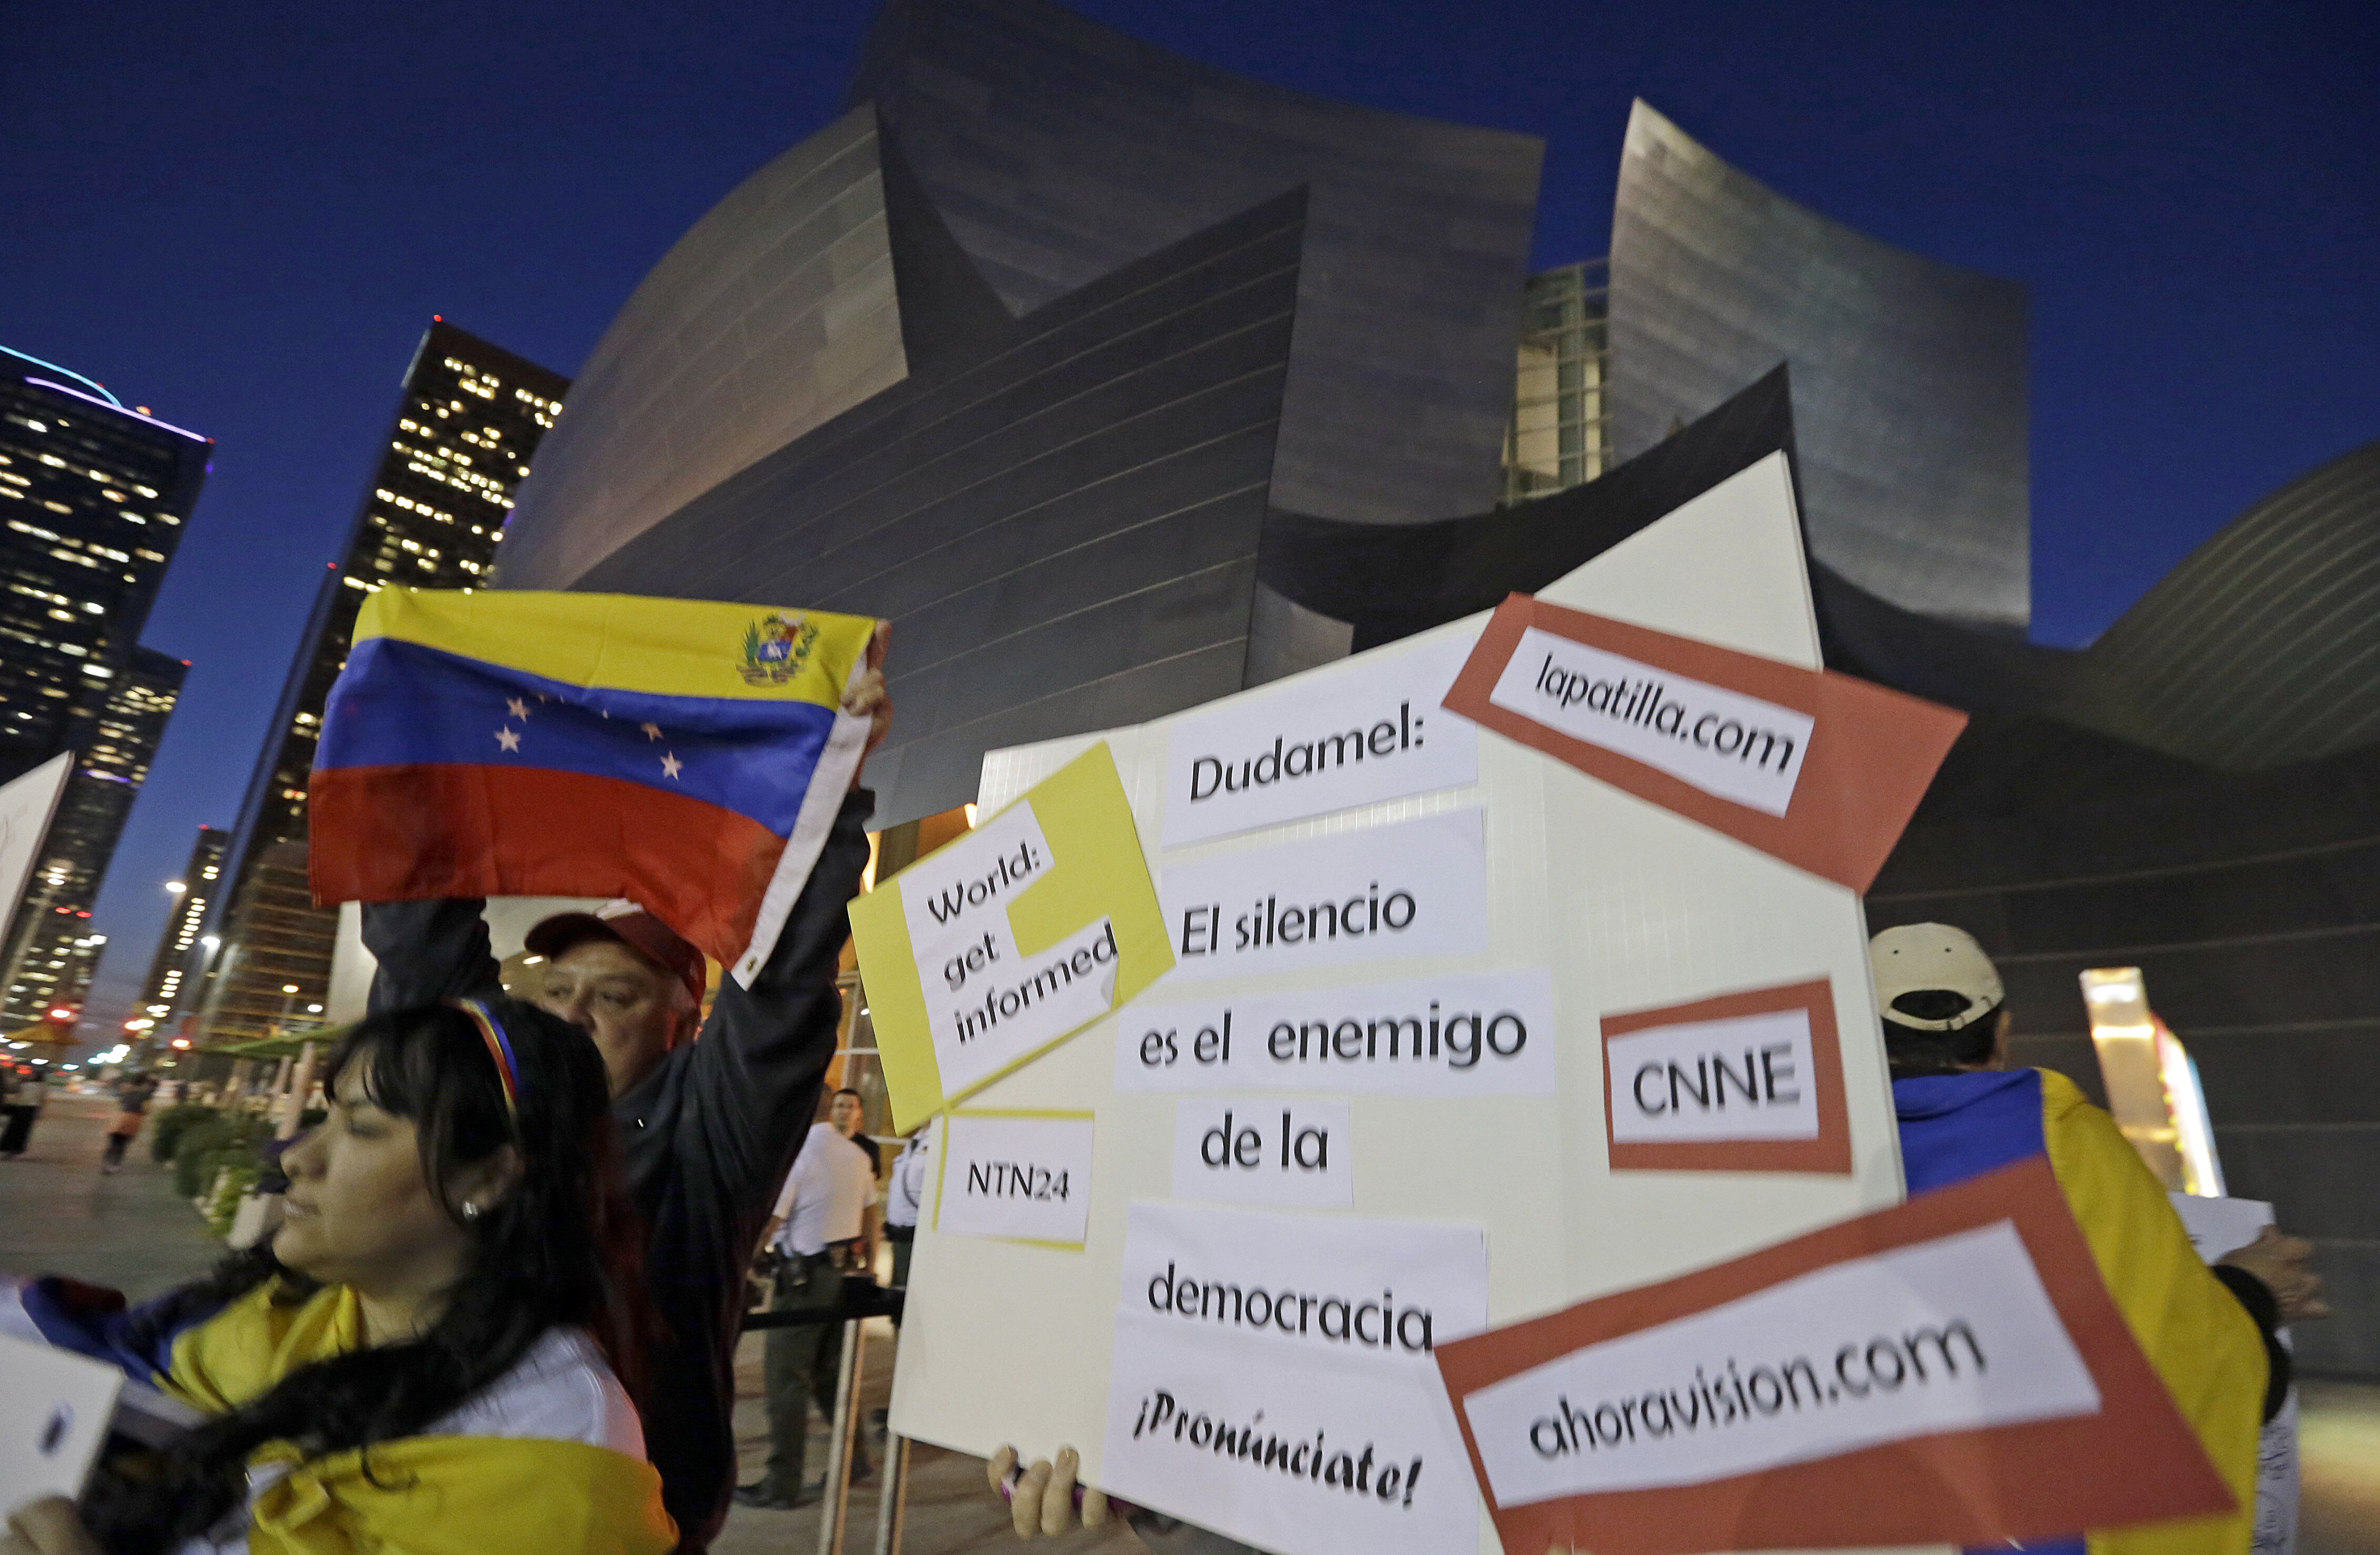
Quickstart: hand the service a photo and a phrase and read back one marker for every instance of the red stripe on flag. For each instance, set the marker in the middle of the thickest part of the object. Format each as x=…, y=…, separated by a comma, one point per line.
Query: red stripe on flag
x=417, y=833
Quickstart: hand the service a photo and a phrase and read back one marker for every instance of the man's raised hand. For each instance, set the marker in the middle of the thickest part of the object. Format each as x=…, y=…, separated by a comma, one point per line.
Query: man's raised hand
x=867, y=696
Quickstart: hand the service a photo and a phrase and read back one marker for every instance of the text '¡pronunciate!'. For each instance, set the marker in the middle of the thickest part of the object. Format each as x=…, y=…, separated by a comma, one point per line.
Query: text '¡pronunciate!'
x=1392, y=1480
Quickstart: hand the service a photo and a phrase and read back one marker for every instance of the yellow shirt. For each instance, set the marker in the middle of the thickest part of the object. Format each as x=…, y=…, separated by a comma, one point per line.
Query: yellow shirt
x=523, y=1488
x=2194, y=1332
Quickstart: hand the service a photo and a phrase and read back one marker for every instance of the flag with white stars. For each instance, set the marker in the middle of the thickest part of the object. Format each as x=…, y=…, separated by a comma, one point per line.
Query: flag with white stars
x=689, y=755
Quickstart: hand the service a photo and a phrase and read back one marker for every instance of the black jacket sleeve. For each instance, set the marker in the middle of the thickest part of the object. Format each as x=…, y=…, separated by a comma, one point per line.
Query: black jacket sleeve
x=752, y=1079
x=2257, y=1297
x=428, y=950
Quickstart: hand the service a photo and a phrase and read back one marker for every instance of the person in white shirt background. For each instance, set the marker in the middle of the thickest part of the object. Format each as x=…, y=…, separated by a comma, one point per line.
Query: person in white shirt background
x=817, y=1230
x=904, y=1199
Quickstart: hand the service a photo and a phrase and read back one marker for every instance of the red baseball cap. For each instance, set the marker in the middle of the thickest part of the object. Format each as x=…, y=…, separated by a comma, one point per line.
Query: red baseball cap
x=631, y=925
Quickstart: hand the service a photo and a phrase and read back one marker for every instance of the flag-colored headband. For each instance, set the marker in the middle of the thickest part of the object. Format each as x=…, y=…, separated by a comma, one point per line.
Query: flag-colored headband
x=500, y=1048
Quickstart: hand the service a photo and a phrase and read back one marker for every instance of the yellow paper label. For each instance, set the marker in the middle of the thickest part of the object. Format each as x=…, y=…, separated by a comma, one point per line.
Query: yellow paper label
x=1093, y=869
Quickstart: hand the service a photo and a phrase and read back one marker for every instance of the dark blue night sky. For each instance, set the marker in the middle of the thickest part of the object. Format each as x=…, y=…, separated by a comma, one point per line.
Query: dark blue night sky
x=244, y=215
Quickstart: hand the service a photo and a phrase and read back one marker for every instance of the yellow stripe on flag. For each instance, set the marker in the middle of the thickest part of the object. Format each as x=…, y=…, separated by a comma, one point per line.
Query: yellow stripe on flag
x=669, y=648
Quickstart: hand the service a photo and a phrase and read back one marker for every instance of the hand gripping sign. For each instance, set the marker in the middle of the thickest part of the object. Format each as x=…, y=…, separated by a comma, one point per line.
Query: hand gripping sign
x=1818, y=769
x=1951, y=1370
x=994, y=949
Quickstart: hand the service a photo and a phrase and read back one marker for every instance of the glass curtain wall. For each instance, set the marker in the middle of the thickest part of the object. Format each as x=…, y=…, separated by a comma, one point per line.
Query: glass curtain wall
x=1560, y=436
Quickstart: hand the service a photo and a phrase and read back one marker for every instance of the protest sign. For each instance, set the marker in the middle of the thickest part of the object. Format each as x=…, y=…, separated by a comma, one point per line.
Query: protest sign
x=1253, y=1153
x=1544, y=900
x=1744, y=1081
x=27, y=805
x=1817, y=768
x=1469, y=1034
x=1307, y=746
x=1334, y=1281
x=2217, y=1226
x=1278, y=1367
x=1010, y=940
x=1418, y=888
x=1024, y=1175
x=1950, y=1370
x=53, y=1419
x=1295, y=1451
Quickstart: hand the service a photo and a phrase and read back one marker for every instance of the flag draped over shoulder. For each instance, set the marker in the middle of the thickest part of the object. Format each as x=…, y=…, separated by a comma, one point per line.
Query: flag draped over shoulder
x=690, y=756
x=2202, y=1342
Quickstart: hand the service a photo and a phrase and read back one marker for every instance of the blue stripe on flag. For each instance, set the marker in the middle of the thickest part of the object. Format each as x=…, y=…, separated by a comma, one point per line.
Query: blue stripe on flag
x=400, y=704
x=1958, y=1127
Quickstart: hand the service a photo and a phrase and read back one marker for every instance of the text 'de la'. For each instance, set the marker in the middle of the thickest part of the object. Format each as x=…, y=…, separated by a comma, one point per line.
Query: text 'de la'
x=1953, y=1334
x=1027, y=1178
x=1256, y=1151
x=1462, y=1034
x=1415, y=889
x=1341, y=737
x=1738, y=747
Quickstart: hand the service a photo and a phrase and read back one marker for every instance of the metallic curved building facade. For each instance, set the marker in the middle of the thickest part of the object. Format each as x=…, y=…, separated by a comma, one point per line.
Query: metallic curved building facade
x=2250, y=902
x=774, y=314
x=2196, y=795
x=1062, y=529
x=2263, y=647
x=1908, y=375
x=1118, y=384
x=996, y=156
x=1058, y=149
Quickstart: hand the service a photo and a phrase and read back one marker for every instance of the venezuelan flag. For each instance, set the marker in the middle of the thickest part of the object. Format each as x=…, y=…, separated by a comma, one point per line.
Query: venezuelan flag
x=494, y=1483
x=689, y=755
x=2205, y=1347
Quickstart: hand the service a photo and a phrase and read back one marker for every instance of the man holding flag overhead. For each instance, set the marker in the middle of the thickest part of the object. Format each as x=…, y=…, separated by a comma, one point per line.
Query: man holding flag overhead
x=699, y=758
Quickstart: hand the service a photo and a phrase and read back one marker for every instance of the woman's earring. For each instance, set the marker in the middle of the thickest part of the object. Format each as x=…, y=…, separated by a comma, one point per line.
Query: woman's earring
x=470, y=1210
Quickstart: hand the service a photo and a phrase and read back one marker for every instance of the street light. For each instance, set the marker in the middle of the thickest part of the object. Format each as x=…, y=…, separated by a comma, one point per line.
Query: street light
x=289, y=1000
x=175, y=888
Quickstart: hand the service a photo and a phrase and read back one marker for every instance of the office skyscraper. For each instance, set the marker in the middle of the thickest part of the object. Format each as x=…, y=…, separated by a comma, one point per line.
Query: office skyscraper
x=470, y=417
x=167, y=969
x=93, y=495
x=52, y=951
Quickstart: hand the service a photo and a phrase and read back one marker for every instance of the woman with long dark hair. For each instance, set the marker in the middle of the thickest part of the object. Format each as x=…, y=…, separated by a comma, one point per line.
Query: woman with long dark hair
x=434, y=1355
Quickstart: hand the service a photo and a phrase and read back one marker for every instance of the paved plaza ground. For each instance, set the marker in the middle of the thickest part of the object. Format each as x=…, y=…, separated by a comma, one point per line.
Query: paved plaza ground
x=59, y=1213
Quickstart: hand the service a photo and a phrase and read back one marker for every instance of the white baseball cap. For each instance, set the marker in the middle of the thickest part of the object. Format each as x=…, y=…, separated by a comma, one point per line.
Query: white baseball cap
x=1930, y=957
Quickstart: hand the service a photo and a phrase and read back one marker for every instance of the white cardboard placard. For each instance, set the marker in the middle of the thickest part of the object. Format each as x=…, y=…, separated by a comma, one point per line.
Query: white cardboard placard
x=53, y=1416
x=1620, y=904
